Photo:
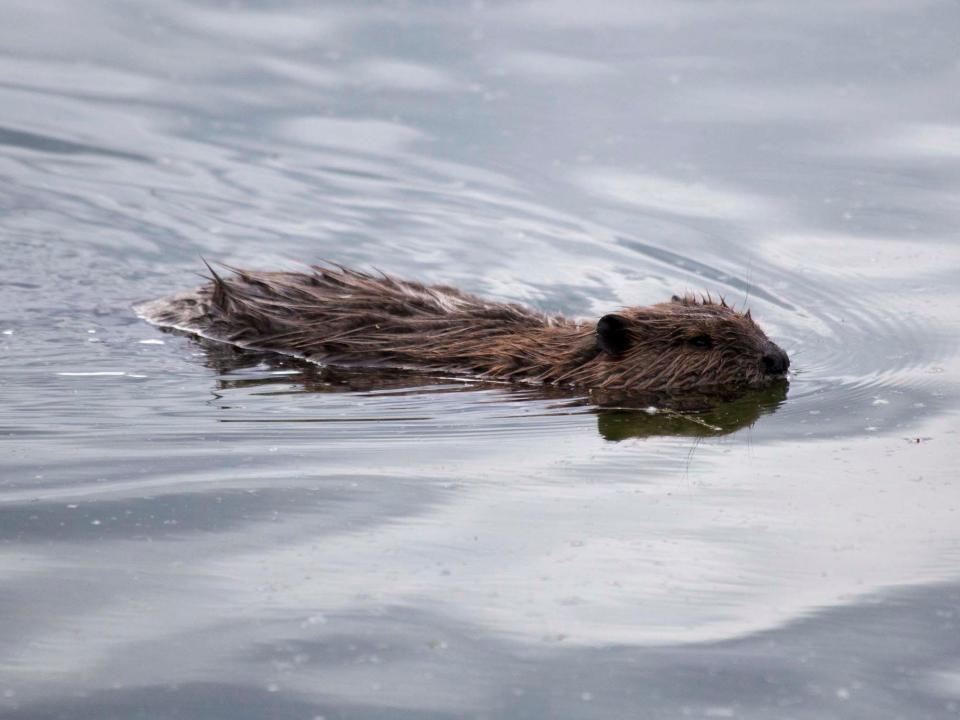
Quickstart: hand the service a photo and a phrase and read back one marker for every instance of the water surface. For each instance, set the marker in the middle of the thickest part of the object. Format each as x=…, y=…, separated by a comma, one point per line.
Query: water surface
x=185, y=532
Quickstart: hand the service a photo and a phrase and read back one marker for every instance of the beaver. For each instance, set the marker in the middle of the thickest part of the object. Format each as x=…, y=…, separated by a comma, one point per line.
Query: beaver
x=331, y=314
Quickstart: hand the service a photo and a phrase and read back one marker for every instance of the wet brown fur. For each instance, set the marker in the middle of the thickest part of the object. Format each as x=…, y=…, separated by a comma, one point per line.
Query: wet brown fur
x=340, y=316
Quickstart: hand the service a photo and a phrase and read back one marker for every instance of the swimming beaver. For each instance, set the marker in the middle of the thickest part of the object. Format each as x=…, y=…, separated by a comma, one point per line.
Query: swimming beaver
x=336, y=315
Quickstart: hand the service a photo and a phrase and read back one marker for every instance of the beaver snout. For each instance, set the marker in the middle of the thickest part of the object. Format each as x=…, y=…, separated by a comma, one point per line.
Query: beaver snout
x=775, y=361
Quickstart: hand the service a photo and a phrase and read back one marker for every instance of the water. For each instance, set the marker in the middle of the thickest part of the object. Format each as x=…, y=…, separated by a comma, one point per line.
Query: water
x=189, y=533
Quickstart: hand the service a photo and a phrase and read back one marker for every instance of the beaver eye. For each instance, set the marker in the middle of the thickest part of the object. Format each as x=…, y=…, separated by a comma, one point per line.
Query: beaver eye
x=701, y=342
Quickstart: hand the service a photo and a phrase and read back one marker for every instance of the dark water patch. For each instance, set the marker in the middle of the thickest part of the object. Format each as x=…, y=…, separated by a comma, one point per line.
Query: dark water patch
x=166, y=516
x=47, y=144
x=215, y=700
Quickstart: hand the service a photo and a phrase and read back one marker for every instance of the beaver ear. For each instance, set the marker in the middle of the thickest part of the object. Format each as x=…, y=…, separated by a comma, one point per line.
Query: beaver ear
x=612, y=334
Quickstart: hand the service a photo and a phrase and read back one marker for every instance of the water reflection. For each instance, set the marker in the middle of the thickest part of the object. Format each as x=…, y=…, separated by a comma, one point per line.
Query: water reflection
x=411, y=664
x=185, y=536
x=702, y=420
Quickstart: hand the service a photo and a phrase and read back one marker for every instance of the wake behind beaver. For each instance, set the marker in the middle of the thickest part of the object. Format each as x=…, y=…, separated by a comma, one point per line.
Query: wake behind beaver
x=335, y=315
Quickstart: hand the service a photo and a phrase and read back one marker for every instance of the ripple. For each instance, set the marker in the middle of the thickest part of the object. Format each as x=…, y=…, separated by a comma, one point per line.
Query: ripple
x=367, y=136
x=700, y=269
x=691, y=198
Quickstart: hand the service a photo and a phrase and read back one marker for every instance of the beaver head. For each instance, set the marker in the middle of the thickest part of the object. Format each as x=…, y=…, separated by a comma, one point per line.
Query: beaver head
x=687, y=344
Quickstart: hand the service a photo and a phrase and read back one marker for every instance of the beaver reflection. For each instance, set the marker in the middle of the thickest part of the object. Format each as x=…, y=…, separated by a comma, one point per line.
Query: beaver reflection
x=618, y=417
x=698, y=417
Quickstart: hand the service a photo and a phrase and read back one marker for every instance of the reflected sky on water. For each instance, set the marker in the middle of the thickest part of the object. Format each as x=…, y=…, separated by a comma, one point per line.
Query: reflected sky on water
x=189, y=533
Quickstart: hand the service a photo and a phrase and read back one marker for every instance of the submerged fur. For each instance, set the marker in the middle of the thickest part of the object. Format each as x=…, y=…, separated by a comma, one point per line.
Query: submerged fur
x=336, y=315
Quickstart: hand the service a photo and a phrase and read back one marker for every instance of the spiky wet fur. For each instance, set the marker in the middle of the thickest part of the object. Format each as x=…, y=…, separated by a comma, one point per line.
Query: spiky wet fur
x=340, y=316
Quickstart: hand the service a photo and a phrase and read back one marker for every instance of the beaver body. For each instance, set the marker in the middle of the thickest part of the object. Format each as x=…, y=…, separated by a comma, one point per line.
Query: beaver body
x=334, y=315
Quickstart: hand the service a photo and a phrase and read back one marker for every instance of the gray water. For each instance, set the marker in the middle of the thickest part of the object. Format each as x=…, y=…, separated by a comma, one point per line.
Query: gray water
x=189, y=533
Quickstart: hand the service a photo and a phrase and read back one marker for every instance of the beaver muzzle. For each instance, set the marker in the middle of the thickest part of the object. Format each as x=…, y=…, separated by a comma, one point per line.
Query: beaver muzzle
x=775, y=361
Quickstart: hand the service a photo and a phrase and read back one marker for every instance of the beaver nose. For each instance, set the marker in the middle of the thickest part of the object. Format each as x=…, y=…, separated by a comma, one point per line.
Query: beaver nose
x=775, y=361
